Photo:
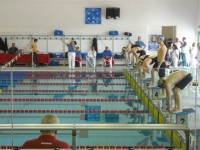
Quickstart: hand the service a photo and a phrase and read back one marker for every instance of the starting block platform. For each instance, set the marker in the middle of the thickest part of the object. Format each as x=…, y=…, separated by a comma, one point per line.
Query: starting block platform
x=164, y=103
x=182, y=116
x=136, y=75
x=145, y=80
x=145, y=83
x=154, y=92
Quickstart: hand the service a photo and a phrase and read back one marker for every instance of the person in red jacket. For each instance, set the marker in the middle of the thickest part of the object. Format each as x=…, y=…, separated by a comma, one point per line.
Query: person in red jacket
x=47, y=139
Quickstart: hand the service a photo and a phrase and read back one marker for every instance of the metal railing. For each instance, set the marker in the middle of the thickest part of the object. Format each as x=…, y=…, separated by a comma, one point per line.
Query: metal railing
x=93, y=127
x=75, y=127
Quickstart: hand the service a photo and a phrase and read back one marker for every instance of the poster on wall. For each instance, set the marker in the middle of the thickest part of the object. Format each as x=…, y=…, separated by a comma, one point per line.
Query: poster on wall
x=152, y=42
x=92, y=15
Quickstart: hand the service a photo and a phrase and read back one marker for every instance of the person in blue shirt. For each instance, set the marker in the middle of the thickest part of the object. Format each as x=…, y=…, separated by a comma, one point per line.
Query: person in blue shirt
x=71, y=53
x=107, y=57
x=140, y=43
x=78, y=58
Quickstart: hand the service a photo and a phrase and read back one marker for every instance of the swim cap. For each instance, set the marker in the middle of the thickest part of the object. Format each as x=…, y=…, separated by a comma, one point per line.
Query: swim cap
x=161, y=37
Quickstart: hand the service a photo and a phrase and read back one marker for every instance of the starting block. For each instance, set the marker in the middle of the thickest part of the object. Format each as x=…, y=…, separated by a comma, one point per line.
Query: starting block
x=164, y=103
x=136, y=76
x=197, y=137
x=154, y=92
x=182, y=117
x=145, y=82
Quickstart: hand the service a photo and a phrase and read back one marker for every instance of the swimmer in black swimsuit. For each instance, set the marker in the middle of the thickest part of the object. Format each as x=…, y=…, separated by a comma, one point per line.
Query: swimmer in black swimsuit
x=141, y=53
x=159, y=65
x=175, y=82
x=131, y=49
x=135, y=49
x=145, y=62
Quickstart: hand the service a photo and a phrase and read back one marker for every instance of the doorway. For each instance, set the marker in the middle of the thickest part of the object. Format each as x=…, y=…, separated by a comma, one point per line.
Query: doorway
x=169, y=32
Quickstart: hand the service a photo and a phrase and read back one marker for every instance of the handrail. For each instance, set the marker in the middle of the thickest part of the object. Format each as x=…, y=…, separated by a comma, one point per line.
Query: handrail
x=93, y=127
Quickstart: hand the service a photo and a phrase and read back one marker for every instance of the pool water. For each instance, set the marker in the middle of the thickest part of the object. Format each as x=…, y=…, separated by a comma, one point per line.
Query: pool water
x=76, y=98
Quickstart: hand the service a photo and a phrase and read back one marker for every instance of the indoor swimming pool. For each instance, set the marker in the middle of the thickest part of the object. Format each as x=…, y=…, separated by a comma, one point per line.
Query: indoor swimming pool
x=76, y=98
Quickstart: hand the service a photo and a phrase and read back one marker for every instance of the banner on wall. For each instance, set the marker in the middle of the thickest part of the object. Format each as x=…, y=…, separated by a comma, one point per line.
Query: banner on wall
x=152, y=42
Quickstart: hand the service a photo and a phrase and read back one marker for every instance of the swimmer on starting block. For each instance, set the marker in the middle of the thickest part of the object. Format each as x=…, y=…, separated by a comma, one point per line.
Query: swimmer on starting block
x=144, y=63
x=176, y=82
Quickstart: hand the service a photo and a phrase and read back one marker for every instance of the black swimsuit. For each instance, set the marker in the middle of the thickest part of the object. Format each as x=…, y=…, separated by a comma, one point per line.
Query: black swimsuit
x=184, y=82
x=141, y=53
x=134, y=45
x=153, y=60
x=161, y=71
x=145, y=57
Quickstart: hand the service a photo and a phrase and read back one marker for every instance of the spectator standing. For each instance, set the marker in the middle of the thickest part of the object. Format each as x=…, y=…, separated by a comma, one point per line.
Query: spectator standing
x=184, y=52
x=34, y=52
x=71, y=53
x=198, y=60
x=175, y=56
x=198, y=55
x=193, y=54
x=178, y=45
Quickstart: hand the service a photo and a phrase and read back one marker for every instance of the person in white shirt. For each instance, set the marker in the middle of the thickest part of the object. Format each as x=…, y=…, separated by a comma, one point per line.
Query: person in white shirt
x=193, y=54
x=198, y=55
x=184, y=52
x=175, y=55
x=178, y=45
x=198, y=60
x=91, y=58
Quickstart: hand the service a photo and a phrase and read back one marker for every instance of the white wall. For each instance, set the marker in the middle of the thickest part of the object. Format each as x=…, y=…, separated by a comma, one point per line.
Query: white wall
x=43, y=16
x=198, y=15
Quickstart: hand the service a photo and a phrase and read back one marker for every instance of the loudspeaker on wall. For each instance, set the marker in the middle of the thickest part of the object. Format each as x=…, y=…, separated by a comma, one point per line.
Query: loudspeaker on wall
x=109, y=13
x=116, y=13
x=112, y=12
